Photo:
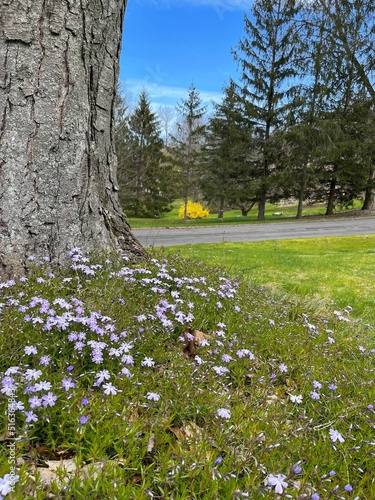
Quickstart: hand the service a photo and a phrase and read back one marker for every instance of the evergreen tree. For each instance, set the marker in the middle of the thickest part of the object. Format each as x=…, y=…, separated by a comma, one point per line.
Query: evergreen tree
x=269, y=56
x=145, y=178
x=301, y=139
x=187, y=144
x=227, y=176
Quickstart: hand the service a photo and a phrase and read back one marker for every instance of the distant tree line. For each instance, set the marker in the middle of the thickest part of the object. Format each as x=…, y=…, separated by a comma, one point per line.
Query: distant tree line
x=299, y=122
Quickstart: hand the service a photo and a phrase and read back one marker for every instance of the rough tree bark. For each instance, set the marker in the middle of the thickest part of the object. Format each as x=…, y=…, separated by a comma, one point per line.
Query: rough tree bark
x=58, y=74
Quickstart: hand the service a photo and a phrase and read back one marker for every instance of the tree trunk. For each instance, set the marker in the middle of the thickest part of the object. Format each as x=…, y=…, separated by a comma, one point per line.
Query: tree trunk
x=220, y=214
x=58, y=73
x=301, y=194
x=331, y=197
x=369, y=201
x=262, y=207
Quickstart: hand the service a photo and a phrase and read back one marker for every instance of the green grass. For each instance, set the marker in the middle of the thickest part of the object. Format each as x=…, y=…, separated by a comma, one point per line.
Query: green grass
x=338, y=271
x=100, y=354
x=171, y=219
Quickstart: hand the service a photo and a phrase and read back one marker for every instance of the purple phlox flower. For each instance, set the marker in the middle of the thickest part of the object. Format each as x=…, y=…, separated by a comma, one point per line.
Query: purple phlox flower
x=62, y=303
x=340, y=317
x=31, y=374
x=296, y=399
x=12, y=370
x=67, y=384
x=297, y=469
x=9, y=386
x=35, y=402
x=224, y=413
x=315, y=496
x=141, y=317
x=273, y=375
x=198, y=360
x=30, y=416
x=203, y=342
x=314, y=395
x=283, y=369
x=147, y=362
x=219, y=460
x=7, y=483
x=84, y=401
x=241, y=353
x=126, y=372
x=277, y=481
x=361, y=348
x=16, y=405
x=317, y=385
x=336, y=436
x=97, y=356
x=29, y=389
x=49, y=399
x=332, y=473
x=127, y=359
x=110, y=389
x=78, y=346
x=45, y=360
x=333, y=387
x=30, y=349
x=43, y=385
x=226, y=358
x=101, y=376
x=220, y=370
x=153, y=396
x=83, y=420
x=348, y=487
x=35, y=320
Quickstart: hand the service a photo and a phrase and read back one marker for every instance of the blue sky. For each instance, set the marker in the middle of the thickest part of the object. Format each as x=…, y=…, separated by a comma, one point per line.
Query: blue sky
x=168, y=44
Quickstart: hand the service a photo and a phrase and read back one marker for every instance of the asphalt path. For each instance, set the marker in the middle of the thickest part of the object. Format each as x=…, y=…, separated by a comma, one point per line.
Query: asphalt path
x=163, y=237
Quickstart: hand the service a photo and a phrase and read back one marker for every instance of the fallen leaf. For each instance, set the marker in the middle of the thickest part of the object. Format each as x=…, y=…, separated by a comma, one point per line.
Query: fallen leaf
x=198, y=335
x=151, y=443
x=189, y=431
x=272, y=399
x=189, y=350
x=69, y=465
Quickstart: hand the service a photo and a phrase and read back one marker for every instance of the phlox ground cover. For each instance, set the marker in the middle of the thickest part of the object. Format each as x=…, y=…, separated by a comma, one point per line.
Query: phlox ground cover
x=168, y=380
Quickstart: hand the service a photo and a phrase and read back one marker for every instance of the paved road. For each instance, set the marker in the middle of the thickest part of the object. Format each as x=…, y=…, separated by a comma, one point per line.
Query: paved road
x=254, y=232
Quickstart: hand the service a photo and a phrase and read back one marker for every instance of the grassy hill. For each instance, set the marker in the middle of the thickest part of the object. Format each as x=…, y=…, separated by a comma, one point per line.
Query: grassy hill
x=174, y=380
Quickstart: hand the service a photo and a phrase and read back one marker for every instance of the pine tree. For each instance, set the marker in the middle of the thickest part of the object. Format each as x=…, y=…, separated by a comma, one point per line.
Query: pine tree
x=145, y=178
x=350, y=30
x=269, y=56
x=227, y=177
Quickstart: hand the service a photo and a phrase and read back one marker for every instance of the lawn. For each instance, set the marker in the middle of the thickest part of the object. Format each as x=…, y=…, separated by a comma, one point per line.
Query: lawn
x=171, y=218
x=334, y=272
x=172, y=380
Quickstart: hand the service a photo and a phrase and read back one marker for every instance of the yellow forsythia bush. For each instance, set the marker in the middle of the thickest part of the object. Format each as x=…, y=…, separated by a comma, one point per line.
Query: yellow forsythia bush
x=195, y=210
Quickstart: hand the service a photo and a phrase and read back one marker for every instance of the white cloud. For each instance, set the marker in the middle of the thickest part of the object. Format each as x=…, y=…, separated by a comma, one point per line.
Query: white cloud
x=161, y=95
x=220, y=5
